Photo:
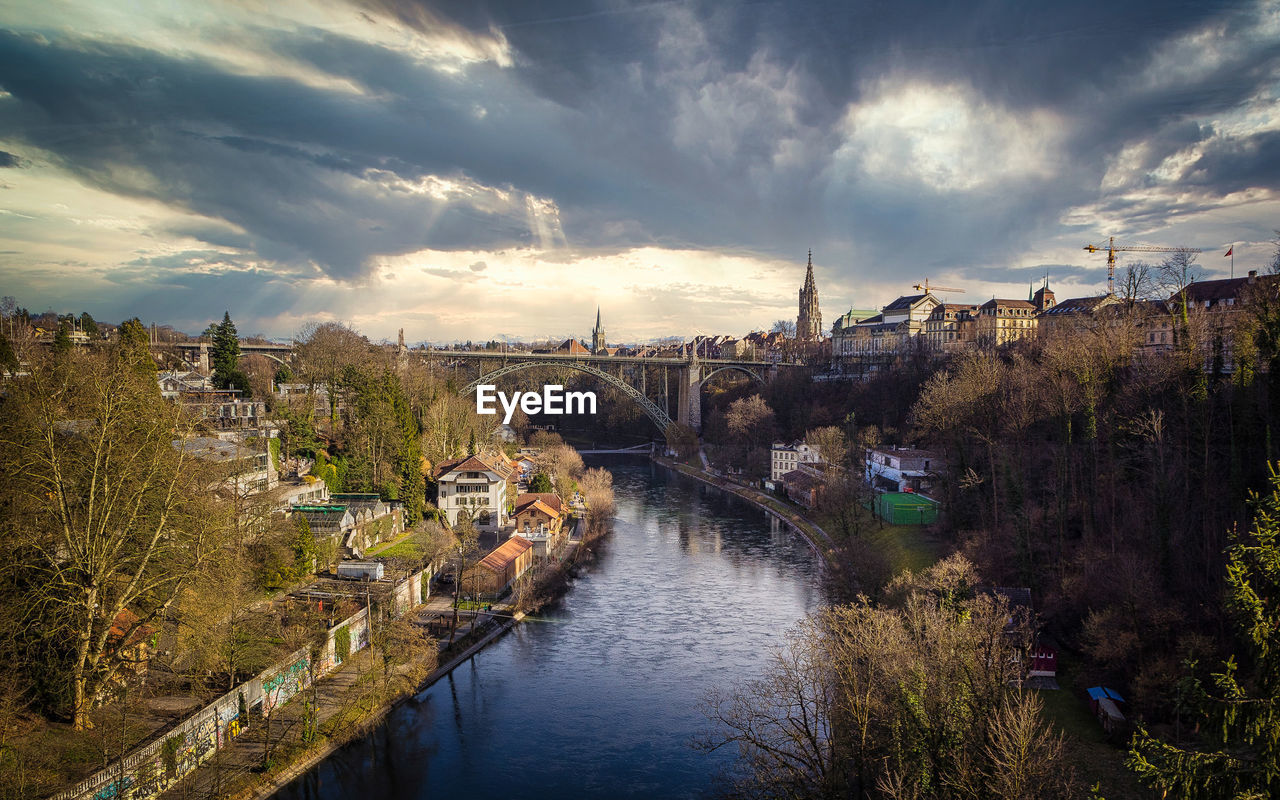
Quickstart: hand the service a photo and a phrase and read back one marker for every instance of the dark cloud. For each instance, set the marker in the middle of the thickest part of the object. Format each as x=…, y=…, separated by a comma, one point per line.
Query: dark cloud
x=9, y=160
x=212, y=233
x=1229, y=165
x=698, y=124
x=306, y=170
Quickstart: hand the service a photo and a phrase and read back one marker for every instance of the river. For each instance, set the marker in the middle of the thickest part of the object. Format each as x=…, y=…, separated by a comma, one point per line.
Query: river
x=598, y=696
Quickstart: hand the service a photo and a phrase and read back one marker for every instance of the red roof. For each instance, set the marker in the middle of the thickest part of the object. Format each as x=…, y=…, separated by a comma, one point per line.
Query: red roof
x=506, y=553
x=547, y=498
x=472, y=464
x=125, y=620
x=801, y=480
x=540, y=506
x=573, y=347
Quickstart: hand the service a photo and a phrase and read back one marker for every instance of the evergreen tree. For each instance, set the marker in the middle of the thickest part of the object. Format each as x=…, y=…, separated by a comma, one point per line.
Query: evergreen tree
x=62, y=343
x=1239, y=754
x=225, y=355
x=540, y=483
x=135, y=346
x=89, y=325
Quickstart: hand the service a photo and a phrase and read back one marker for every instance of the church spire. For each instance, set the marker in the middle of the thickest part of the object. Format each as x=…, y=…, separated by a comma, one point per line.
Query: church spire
x=809, y=320
x=597, y=335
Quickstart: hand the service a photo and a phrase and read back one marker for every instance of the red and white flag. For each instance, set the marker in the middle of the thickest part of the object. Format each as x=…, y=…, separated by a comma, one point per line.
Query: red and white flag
x=1230, y=250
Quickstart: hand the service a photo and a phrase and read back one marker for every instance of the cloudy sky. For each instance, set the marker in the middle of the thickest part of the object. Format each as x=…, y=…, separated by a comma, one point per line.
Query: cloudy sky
x=471, y=169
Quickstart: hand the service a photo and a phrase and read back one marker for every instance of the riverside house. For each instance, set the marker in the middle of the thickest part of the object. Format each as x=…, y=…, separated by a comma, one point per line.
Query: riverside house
x=475, y=485
x=495, y=573
x=539, y=518
x=903, y=469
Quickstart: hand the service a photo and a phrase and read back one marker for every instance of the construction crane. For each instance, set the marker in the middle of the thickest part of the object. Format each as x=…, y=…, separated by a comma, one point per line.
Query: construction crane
x=926, y=288
x=1112, y=248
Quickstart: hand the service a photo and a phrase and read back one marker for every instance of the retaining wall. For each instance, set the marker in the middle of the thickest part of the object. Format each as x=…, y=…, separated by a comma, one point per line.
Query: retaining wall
x=155, y=766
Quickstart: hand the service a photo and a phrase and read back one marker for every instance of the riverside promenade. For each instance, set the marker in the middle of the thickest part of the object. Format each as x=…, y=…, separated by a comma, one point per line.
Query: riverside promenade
x=818, y=539
x=348, y=702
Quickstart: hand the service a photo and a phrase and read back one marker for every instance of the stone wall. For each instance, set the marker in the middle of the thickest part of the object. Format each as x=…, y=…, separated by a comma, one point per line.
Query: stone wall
x=162, y=762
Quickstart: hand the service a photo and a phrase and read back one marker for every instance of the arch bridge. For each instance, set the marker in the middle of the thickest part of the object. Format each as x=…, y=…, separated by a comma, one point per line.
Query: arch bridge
x=621, y=372
x=197, y=353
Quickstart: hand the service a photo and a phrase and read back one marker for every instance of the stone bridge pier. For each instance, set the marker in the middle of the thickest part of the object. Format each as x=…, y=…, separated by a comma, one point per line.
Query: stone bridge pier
x=689, y=402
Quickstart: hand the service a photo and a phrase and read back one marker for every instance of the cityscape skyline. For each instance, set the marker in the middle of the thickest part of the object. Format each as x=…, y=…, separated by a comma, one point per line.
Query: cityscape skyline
x=470, y=172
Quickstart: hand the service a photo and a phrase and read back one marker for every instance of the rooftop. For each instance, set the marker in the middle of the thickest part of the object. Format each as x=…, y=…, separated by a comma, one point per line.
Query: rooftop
x=905, y=302
x=506, y=553
x=1078, y=305
x=1002, y=303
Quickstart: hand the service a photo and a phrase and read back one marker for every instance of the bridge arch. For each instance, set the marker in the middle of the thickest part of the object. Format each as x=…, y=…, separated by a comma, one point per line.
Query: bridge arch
x=734, y=367
x=650, y=408
x=265, y=355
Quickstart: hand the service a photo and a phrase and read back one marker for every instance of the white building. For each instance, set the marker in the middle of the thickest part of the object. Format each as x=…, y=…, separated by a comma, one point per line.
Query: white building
x=174, y=383
x=477, y=485
x=786, y=458
x=903, y=469
x=246, y=470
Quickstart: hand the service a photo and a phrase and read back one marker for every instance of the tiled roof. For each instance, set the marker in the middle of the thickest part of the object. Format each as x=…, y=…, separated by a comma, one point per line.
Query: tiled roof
x=1222, y=289
x=995, y=302
x=471, y=464
x=904, y=302
x=537, y=505
x=1076, y=305
x=550, y=499
x=1016, y=595
x=506, y=553
x=801, y=480
x=127, y=619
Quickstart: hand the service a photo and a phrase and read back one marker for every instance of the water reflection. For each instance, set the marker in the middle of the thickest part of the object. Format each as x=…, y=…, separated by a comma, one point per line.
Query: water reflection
x=600, y=700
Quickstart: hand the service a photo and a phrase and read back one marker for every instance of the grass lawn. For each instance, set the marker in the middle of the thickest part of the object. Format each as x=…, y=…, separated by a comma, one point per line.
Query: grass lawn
x=1095, y=760
x=910, y=547
x=404, y=547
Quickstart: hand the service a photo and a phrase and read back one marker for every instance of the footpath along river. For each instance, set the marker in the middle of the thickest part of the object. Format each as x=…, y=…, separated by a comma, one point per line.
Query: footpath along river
x=598, y=696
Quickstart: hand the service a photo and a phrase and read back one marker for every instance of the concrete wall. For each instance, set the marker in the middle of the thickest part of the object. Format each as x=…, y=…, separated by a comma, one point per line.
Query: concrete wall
x=146, y=772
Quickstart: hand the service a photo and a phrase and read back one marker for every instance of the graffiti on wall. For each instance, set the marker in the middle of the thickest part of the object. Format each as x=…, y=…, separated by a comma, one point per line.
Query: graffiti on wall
x=281, y=687
x=151, y=780
x=114, y=789
x=154, y=767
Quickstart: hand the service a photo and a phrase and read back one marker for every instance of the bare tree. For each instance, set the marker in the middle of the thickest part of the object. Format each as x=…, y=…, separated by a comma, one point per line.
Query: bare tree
x=1174, y=275
x=909, y=699
x=1137, y=282
x=750, y=419
x=324, y=351
x=831, y=445
x=596, y=486
x=114, y=517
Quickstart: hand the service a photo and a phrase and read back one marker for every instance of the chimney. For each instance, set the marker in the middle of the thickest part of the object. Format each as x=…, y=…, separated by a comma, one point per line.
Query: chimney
x=1253, y=275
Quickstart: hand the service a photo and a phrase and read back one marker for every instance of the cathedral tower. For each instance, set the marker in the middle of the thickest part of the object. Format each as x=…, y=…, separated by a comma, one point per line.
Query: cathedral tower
x=809, y=322
x=597, y=335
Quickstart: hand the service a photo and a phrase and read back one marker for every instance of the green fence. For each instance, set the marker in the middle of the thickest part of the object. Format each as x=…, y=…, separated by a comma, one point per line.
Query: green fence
x=904, y=508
